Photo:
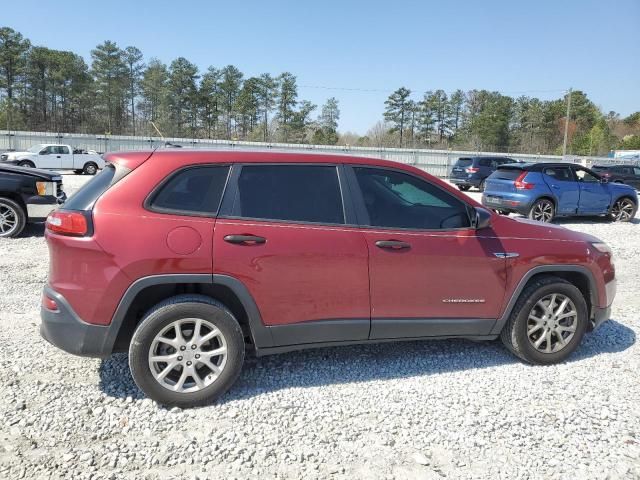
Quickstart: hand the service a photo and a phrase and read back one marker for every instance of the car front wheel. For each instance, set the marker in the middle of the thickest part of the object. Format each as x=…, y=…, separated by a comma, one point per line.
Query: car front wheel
x=623, y=210
x=187, y=351
x=464, y=188
x=547, y=323
x=13, y=218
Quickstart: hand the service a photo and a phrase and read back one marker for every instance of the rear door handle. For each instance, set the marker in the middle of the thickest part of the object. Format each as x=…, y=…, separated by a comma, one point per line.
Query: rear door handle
x=392, y=244
x=244, y=239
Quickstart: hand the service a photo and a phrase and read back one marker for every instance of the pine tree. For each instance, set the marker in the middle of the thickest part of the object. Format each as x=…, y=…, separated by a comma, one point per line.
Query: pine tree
x=397, y=110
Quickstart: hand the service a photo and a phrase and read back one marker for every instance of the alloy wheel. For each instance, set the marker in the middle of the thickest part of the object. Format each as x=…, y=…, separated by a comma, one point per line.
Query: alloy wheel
x=552, y=323
x=542, y=211
x=623, y=210
x=188, y=355
x=8, y=220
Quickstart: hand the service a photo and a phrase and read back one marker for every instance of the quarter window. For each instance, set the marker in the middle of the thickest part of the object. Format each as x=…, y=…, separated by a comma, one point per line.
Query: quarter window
x=194, y=189
x=399, y=200
x=299, y=193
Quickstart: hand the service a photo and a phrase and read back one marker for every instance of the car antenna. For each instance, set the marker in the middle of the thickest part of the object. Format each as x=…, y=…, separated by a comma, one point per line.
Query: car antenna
x=166, y=144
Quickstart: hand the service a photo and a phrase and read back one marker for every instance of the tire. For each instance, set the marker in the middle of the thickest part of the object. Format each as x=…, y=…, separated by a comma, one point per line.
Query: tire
x=162, y=320
x=543, y=210
x=515, y=334
x=90, y=168
x=13, y=218
x=464, y=188
x=481, y=186
x=27, y=164
x=623, y=210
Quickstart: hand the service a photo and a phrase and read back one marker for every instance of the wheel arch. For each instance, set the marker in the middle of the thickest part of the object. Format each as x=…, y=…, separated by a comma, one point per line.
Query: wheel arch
x=579, y=276
x=147, y=292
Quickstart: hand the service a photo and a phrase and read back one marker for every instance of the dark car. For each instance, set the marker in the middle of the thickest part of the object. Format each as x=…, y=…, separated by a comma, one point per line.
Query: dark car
x=628, y=174
x=470, y=172
x=27, y=195
x=272, y=252
x=544, y=191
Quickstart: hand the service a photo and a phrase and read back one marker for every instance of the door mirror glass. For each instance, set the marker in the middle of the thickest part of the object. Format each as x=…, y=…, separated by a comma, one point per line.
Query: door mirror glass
x=482, y=218
x=604, y=180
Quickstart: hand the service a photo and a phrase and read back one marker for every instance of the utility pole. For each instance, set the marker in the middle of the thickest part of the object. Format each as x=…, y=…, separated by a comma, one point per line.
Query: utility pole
x=566, y=124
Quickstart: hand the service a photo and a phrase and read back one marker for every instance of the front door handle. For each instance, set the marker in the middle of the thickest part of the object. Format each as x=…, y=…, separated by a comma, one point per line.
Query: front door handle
x=244, y=239
x=392, y=244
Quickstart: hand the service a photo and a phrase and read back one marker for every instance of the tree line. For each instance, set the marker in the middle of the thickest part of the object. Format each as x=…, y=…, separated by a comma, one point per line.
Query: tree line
x=119, y=92
x=491, y=121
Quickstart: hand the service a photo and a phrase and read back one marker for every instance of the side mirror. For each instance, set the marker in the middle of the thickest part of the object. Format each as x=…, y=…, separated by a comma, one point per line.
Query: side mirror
x=482, y=218
x=604, y=180
x=43, y=152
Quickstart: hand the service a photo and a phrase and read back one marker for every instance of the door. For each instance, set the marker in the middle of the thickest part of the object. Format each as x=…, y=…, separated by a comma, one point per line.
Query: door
x=286, y=236
x=65, y=156
x=564, y=188
x=594, y=195
x=49, y=157
x=431, y=274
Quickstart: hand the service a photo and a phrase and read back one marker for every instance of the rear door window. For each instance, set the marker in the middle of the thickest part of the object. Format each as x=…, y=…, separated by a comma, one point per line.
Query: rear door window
x=561, y=174
x=297, y=193
x=193, y=190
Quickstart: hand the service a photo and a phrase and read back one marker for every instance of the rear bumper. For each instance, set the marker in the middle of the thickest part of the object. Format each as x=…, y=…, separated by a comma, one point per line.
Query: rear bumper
x=469, y=182
x=511, y=202
x=65, y=330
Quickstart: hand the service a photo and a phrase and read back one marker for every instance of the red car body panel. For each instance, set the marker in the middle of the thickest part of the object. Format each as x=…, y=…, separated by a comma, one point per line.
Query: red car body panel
x=305, y=272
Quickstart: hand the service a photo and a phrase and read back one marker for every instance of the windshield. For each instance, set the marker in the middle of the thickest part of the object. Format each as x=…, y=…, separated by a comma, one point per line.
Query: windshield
x=36, y=148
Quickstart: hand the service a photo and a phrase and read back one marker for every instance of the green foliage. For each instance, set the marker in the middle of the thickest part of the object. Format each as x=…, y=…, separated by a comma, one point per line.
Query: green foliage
x=397, y=111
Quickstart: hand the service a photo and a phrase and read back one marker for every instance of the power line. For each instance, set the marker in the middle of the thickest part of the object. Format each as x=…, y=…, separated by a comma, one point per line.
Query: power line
x=378, y=90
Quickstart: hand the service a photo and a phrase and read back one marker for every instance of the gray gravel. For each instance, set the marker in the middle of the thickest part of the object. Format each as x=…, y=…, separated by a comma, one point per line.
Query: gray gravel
x=427, y=410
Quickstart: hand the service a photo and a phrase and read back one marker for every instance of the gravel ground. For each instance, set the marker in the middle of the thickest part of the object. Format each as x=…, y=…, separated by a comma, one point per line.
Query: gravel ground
x=428, y=410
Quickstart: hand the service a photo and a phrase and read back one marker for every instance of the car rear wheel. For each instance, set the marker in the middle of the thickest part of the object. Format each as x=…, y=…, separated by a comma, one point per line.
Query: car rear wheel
x=187, y=351
x=542, y=210
x=13, y=218
x=547, y=323
x=90, y=168
x=464, y=188
x=623, y=210
x=26, y=163
x=481, y=186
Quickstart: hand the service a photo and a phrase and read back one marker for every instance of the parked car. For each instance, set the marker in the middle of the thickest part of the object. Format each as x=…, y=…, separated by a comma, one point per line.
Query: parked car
x=544, y=191
x=629, y=174
x=186, y=258
x=27, y=195
x=56, y=157
x=470, y=172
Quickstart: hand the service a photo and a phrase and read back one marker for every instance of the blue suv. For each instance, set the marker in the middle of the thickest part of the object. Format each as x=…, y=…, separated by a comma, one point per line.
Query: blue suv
x=470, y=172
x=543, y=191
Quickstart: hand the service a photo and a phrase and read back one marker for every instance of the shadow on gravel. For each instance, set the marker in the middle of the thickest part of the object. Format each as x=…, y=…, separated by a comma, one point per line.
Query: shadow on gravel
x=33, y=230
x=357, y=363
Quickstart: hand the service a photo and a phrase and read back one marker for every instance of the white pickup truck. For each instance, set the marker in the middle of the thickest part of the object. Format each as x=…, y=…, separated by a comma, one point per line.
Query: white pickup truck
x=56, y=157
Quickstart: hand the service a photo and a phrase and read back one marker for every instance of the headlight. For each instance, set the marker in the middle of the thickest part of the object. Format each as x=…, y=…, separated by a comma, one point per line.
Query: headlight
x=603, y=248
x=46, y=188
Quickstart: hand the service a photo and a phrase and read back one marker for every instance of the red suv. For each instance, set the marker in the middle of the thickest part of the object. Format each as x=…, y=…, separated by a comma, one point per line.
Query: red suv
x=187, y=258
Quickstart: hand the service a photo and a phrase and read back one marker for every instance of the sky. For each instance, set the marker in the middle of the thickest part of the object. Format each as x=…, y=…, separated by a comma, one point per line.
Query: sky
x=360, y=51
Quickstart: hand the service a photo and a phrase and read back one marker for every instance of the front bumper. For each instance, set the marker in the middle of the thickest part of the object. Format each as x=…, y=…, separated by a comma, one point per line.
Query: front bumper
x=65, y=330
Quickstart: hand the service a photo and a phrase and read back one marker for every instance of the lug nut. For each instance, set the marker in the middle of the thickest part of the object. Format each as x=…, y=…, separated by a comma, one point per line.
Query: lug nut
x=197, y=356
x=183, y=348
x=193, y=347
x=188, y=364
x=179, y=359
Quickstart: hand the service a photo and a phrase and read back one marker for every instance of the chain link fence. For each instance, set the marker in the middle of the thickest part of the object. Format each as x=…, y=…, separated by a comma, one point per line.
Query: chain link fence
x=435, y=162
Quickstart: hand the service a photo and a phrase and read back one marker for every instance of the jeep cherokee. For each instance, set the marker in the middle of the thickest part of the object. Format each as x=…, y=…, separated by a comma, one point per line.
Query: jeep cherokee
x=186, y=258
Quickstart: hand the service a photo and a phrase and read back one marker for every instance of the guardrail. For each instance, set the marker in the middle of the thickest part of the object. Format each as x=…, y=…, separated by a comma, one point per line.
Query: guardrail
x=436, y=162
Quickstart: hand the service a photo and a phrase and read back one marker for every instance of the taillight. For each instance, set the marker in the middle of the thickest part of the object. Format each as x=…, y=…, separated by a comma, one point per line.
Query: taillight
x=472, y=169
x=67, y=223
x=521, y=184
